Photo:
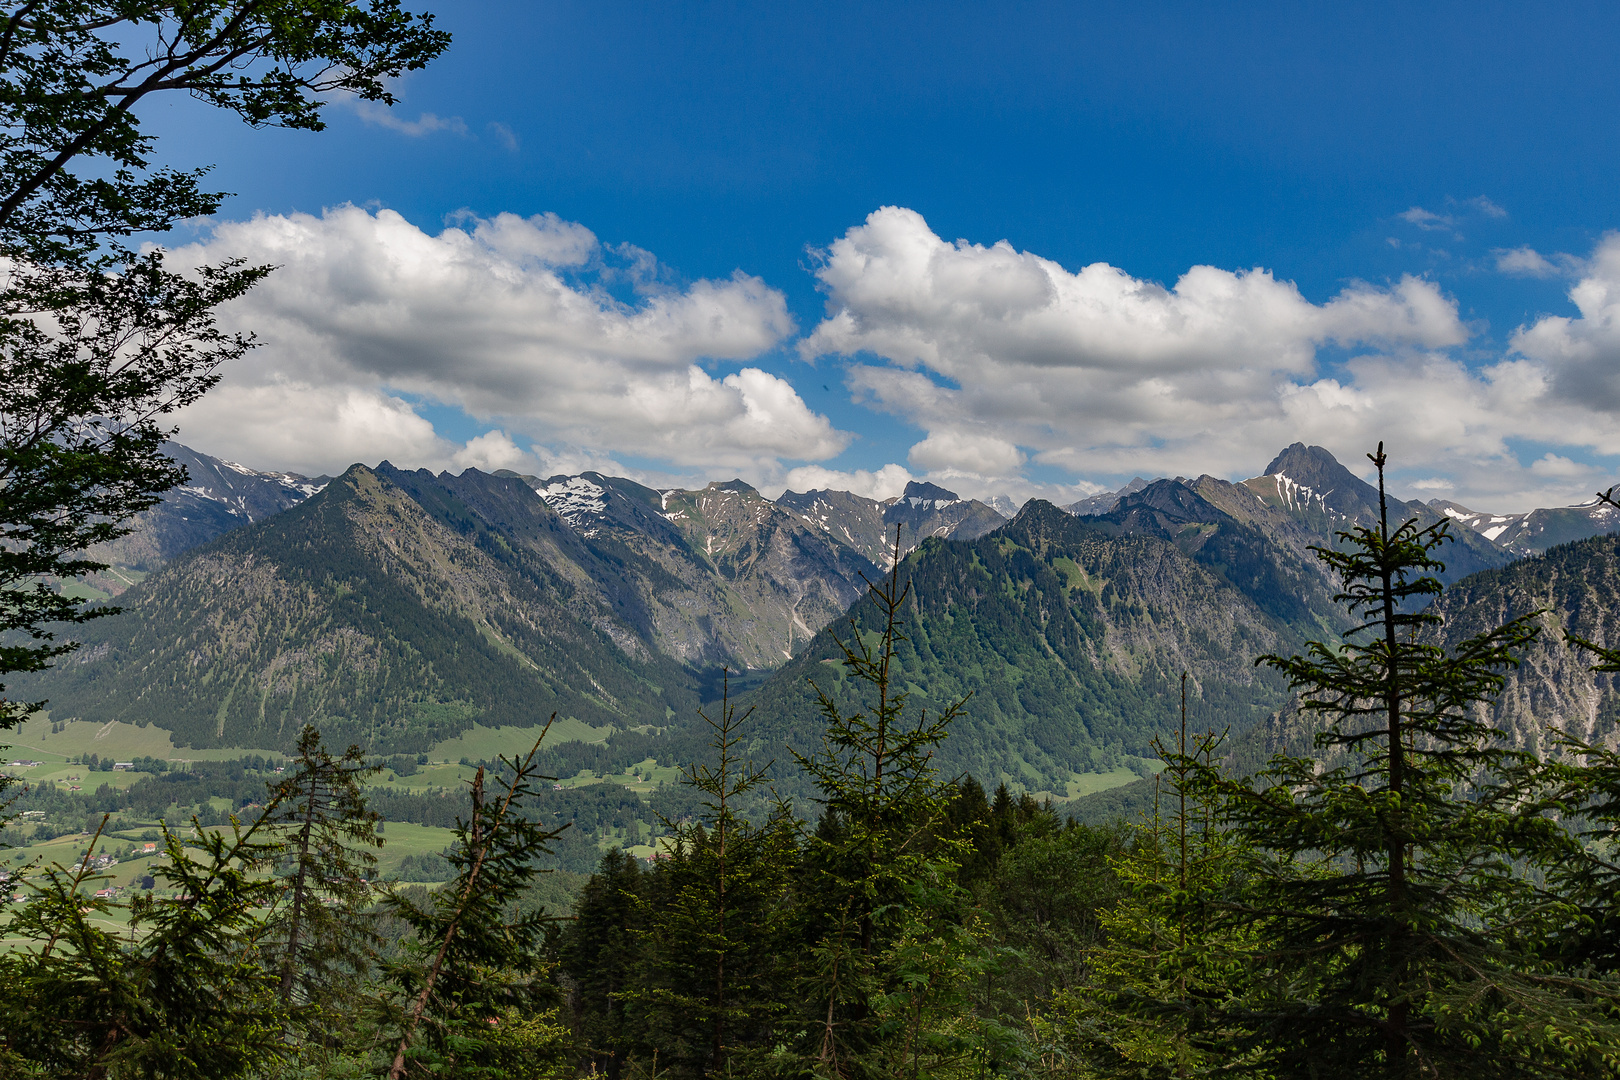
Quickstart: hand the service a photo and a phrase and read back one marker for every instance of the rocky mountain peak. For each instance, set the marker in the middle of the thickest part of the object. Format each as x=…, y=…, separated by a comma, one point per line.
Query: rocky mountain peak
x=925, y=510
x=218, y=496
x=1314, y=466
x=920, y=491
x=1308, y=478
x=1172, y=497
x=1038, y=516
x=1005, y=505
x=853, y=519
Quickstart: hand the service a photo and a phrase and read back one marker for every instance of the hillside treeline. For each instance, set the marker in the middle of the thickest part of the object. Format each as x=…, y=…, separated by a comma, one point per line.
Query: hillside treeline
x=1412, y=899
x=214, y=793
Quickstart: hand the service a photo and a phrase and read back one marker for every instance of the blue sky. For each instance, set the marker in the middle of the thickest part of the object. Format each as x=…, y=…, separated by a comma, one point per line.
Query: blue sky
x=1467, y=151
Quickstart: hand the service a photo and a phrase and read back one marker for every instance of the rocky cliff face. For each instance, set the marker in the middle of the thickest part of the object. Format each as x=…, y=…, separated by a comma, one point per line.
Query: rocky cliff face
x=771, y=580
x=1573, y=589
x=1306, y=485
x=850, y=519
x=921, y=511
x=1576, y=589
x=721, y=576
x=1258, y=535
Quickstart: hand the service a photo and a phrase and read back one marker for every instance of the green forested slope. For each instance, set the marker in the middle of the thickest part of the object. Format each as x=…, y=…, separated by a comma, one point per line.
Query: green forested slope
x=366, y=614
x=1071, y=641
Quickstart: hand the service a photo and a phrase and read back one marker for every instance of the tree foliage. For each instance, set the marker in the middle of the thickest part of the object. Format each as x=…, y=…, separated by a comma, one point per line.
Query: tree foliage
x=321, y=930
x=1380, y=881
x=888, y=954
x=98, y=342
x=469, y=997
x=710, y=992
x=181, y=993
x=1167, y=970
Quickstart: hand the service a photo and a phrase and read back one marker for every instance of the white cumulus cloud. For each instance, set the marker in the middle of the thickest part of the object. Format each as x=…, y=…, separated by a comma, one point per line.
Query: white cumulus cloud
x=307, y=427
x=1000, y=354
x=1524, y=262
x=1528, y=263
x=1582, y=354
x=973, y=452
x=488, y=452
x=1427, y=219
x=885, y=483
x=511, y=319
x=427, y=123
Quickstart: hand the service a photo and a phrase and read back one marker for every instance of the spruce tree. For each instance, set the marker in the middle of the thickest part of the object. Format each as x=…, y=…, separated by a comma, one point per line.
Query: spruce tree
x=473, y=996
x=888, y=954
x=1381, y=880
x=177, y=993
x=1160, y=982
x=712, y=986
x=1569, y=809
x=601, y=955
x=321, y=931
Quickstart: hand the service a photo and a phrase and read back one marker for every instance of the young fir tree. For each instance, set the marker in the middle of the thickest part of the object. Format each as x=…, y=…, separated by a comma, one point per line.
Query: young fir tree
x=472, y=996
x=1573, y=926
x=1380, y=882
x=1153, y=1005
x=1044, y=898
x=712, y=988
x=601, y=955
x=889, y=960
x=320, y=934
x=178, y=992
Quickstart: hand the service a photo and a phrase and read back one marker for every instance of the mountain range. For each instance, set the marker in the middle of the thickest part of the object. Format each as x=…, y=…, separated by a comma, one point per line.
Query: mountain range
x=398, y=608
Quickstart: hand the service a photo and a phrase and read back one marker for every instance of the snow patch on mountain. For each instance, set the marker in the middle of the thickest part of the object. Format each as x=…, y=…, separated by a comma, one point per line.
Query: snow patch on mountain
x=236, y=502
x=577, y=501
x=1005, y=505
x=1299, y=496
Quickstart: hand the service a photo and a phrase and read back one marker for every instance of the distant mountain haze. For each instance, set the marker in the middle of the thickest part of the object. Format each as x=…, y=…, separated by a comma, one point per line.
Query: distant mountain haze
x=1104, y=502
